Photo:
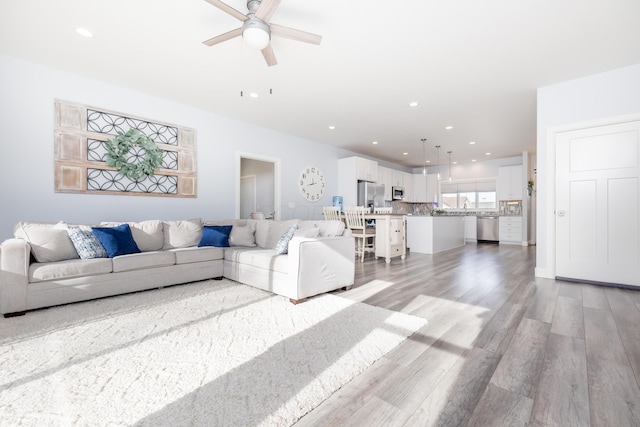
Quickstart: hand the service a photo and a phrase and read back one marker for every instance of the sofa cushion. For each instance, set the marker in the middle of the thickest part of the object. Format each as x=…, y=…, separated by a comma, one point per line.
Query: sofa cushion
x=49, y=242
x=215, y=235
x=242, y=235
x=282, y=247
x=116, y=240
x=258, y=257
x=67, y=269
x=276, y=230
x=86, y=243
x=205, y=253
x=143, y=260
x=182, y=234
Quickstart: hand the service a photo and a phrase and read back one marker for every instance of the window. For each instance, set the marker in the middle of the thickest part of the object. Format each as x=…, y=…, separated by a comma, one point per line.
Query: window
x=469, y=194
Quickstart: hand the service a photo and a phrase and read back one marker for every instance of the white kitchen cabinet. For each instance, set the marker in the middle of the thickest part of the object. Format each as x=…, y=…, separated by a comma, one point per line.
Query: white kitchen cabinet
x=366, y=170
x=510, y=182
x=432, y=188
x=390, y=237
x=350, y=171
x=425, y=188
x=397, y=178
x=407, y=183
x=510, y=230
x=420, y=188
x=385, y=176
x=470, y=229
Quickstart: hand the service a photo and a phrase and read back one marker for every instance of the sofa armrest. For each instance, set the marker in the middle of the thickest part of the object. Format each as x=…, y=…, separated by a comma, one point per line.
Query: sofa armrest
x=322, y=264
x=14, y=275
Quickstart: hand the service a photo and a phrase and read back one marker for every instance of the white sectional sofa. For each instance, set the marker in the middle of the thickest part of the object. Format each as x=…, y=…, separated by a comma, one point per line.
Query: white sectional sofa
x=40, y=266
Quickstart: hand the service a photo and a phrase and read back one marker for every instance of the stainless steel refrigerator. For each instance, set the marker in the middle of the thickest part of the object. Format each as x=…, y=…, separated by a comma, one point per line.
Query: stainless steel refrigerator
x=370, y=194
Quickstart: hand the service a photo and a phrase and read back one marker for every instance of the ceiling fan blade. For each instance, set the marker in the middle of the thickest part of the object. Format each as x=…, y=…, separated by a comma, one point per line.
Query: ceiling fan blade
x=223, y=37
x=293, y=34
x=269, y=56
x=266, y=9
x=226, y=8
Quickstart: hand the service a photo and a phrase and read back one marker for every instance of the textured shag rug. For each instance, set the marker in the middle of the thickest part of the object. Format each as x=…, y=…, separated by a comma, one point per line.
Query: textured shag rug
x=214, y=353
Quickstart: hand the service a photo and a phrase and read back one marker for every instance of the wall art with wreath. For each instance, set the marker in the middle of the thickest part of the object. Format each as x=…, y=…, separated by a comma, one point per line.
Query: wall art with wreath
x=105, y=152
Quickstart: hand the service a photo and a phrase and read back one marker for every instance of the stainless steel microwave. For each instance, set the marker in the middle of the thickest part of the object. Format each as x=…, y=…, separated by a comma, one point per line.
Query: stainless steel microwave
x=397, y=193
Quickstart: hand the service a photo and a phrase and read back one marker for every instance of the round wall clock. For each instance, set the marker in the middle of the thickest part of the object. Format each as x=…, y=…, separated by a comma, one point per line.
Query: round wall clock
x=311, y=183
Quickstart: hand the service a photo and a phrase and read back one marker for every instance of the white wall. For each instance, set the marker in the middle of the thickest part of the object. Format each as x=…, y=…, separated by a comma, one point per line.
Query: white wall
x=27, y=92
x=570, y=105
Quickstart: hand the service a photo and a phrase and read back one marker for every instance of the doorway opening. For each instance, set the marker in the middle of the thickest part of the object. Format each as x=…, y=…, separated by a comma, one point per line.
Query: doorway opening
x=258, y=186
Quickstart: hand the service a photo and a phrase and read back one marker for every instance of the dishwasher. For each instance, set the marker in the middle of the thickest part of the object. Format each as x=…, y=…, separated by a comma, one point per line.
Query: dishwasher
x=487, y=228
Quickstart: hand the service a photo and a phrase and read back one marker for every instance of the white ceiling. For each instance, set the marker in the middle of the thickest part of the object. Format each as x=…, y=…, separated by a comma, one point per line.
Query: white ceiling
x=474, y=65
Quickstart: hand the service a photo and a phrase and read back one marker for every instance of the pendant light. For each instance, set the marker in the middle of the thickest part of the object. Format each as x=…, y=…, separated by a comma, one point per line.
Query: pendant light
x=449, y=153
x=424, y=158
x=438, y=159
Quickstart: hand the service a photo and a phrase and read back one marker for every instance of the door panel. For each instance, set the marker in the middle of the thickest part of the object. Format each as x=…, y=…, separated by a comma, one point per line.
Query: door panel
x=597, y=204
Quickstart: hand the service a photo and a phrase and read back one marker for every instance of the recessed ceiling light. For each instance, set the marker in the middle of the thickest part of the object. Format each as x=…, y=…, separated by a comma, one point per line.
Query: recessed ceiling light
x=487, y=154
x=413, y=104
x=474, y=160
x=472, y=142
x=332, y=127
x=375, y=142
x=253, y=95
x=84, y=32
x=404, y=154
x=455, y=163
x=449, y=127
x=427, y=161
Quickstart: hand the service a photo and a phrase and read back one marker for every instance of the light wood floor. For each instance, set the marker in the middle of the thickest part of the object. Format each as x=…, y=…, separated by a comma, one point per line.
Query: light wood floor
x=502, y=348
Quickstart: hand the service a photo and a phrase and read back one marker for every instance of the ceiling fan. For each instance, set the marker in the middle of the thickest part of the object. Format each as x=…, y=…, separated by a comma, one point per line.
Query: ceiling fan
x=256, y=29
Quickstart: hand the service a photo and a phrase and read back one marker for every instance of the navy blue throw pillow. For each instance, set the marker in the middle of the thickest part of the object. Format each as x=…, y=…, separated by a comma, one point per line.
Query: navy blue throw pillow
x=116, y=240
x=215, y=235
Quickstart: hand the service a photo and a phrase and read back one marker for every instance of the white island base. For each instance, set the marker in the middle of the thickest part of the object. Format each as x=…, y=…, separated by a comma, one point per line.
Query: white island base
x=433, y=234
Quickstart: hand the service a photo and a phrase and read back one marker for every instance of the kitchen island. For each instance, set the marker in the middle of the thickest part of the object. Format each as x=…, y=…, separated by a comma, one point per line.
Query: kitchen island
x=433, y=234
x=390, y=236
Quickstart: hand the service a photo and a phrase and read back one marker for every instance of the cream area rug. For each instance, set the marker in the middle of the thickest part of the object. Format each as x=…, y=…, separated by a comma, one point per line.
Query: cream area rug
x=212, y=353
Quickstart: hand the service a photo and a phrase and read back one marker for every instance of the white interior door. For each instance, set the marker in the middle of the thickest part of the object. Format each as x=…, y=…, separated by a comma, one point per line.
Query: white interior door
x=247, y=196
x=597, y=204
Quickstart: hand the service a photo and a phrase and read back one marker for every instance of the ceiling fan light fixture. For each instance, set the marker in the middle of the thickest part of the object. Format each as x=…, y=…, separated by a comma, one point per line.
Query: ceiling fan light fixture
x=255, y=33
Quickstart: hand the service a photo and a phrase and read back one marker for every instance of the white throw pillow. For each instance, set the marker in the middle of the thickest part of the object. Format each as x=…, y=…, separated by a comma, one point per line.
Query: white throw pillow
x=49, y=242
x=242, y=235
x=309, y=232
x=182, y=234
x=331, y=228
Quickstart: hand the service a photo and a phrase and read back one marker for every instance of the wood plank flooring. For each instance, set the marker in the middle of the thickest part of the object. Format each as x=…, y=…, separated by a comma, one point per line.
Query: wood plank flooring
x=502, y=348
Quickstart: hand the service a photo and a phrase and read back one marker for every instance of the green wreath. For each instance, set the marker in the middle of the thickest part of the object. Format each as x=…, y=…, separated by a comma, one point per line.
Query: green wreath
x=119, y=147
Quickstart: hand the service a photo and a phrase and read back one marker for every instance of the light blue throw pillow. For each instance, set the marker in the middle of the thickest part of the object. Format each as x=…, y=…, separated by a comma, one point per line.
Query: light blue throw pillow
x=86, y=243
x=282, y=247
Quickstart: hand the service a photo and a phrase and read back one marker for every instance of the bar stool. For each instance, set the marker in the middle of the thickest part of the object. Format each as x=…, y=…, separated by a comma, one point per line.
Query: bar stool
x=383, y=210
x=364, y=235
x=331, y=213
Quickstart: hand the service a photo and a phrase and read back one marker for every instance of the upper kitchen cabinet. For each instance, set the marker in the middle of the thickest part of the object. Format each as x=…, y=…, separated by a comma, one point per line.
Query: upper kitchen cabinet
x=425, y=188
x=366, y=170
x=350, y=171
x=407, y=184
x=385, y=176
x=510, y=182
